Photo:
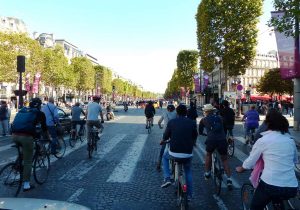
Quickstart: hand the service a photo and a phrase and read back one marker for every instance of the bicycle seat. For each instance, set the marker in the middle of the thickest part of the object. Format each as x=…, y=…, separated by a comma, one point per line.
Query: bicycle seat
x=179, y=160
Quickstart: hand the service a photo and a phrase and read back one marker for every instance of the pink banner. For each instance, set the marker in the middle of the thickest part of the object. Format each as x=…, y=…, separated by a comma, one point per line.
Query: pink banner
x=197, y=83
x=288, y=54
x=35, y=87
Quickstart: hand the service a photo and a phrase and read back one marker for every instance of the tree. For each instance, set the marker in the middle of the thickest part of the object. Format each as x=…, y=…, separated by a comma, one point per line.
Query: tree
x=104, y=78
x=227, y=29
x=271, y=83
x=56, y=71
x=187, y=61
x=287, y=22
x=84, y=73
x=12, y=45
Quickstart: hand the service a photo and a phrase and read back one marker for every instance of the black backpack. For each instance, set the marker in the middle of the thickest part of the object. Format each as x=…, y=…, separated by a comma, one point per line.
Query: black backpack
x=25, y=121
x=214, y=123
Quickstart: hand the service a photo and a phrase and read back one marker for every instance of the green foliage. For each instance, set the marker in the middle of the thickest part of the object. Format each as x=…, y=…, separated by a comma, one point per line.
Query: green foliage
x=227, y=29
x=173, y=86
x=56, y=71
x=12, y=45
x=187, y=61
x=104, y=79
x=84, y=73
x=287, y=23
x=272, y=83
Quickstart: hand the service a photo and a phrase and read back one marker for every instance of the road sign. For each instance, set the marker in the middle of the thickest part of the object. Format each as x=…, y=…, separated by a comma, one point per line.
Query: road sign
x=239, y=87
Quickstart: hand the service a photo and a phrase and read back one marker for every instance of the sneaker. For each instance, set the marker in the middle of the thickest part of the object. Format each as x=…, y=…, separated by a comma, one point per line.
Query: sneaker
x=167, y=183
x=207, y=175
x=229, y=184
x=30, y=188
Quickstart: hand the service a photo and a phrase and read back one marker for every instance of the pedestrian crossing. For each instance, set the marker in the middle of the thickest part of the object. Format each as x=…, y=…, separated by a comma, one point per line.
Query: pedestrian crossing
x=124, y=170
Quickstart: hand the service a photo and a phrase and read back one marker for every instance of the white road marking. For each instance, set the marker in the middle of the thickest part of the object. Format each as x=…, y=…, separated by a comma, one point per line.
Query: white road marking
x=6, y=147
x=75, y=196
x=199, y=155
x=124, y=170
x=84, y=166
x=220, y=202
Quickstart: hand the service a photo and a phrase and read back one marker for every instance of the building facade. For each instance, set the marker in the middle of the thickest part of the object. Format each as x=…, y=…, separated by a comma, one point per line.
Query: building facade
x=11, y=24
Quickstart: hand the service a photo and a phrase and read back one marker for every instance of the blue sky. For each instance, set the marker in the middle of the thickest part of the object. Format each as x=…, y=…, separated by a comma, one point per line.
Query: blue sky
x=139, y=39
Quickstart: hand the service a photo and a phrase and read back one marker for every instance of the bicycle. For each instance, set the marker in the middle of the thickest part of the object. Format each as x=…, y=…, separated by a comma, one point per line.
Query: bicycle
x=93, y=139
x=217, y=172
x=230, y=141
x=149, y=125
x=250, y=140
x=11, y=175
x=60, y=147
x=75, y=136
x=247, y=192
x=180, y=181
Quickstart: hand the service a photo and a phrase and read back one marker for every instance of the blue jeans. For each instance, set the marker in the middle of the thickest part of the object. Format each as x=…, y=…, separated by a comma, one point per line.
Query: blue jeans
x=248, y=129
x=53, y=134
x=4, y=125
x=187, y=169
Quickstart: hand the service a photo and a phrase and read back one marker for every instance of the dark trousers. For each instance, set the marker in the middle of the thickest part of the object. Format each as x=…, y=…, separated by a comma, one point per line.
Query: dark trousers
x=266, y=193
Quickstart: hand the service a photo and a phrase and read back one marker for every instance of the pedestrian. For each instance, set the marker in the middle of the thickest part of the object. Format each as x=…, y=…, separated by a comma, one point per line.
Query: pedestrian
x=228, y=117
x=291, y=109
x=4, y=118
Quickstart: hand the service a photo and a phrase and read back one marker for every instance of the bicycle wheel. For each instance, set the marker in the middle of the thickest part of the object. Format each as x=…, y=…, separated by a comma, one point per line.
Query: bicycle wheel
x=91, y=145
x=217, y=176
x=41, y=167
x=82, y=134
x=230, y=149
x=61, y=147
x=72, y=139
x=247, y=192
x=184, y=201
x=11, y=178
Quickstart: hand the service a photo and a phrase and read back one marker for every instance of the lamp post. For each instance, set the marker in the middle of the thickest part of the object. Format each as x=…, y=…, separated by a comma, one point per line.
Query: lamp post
x=219, y=66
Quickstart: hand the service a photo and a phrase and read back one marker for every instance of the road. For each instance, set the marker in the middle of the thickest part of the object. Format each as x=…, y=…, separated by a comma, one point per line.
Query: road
x=122, y=175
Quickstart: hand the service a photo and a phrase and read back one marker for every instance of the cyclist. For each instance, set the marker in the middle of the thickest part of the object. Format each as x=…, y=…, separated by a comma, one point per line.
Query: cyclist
x=251, y=118
x=149, y=112
x=182, y=133
x=166, y=117
x=92, y=112
x=109, y=111
x=51, y=113
x=192, y=112
x=216, y=139
x=76, y=111
x=228, y=117
x=279, y=153
x=25, y=138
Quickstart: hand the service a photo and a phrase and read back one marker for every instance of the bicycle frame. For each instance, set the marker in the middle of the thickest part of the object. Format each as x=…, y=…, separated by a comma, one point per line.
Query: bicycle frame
x=217, y=171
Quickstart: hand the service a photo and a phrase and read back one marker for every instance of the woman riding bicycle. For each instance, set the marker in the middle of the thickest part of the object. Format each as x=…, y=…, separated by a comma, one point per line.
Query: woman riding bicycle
x=278, y=151
x=251, y=118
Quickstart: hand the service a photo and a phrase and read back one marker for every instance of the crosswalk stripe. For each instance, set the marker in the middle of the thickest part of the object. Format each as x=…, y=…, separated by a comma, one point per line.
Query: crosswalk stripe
x=6, y=147
x=84, y=166
x=124, y=170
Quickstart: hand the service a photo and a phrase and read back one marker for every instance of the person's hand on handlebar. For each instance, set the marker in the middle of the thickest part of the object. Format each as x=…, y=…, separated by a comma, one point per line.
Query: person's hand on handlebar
x=239, y=169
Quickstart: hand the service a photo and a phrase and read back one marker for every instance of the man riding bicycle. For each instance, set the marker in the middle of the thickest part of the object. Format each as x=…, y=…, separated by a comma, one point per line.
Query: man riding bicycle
x=149, y=112
x=228, y=117
x=22, y=135
x=76, y=111
x=216, y=139
x=182, y=133
x=251, y=118
x=92, y=112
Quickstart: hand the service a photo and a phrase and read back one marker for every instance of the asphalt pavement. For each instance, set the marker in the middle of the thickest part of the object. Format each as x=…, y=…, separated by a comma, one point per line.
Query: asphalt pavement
x=122, y=174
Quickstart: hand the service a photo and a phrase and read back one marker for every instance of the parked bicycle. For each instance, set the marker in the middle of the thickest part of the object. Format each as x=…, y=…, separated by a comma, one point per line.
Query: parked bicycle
x=247, y=192
x=11, y=175
x=179, y=181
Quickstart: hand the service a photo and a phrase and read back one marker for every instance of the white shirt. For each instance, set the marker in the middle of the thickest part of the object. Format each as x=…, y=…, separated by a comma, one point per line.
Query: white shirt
x=279, y=153
x=166, y=117
x=93, y=110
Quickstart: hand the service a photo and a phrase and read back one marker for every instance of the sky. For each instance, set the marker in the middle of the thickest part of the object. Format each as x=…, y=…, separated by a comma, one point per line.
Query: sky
x=138, y=39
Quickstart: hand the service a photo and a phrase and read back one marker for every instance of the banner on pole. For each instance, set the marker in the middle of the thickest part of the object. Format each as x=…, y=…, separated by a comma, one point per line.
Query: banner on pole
x=197, y=83
x=287, y=52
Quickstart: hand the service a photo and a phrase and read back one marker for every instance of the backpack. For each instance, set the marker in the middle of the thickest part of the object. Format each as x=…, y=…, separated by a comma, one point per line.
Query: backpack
x=214, y=123
x=25, y=120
